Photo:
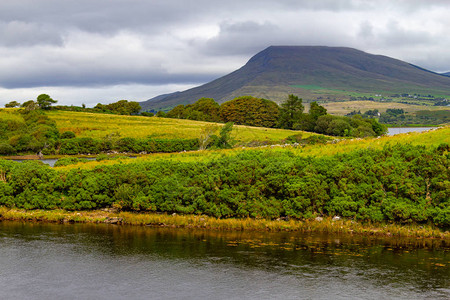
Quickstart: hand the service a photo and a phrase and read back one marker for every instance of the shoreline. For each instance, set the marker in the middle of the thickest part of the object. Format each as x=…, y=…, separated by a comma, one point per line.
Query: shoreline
x=325, y=225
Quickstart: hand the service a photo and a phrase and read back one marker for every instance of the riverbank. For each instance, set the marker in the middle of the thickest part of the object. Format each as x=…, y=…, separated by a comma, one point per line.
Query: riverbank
x=318, y=225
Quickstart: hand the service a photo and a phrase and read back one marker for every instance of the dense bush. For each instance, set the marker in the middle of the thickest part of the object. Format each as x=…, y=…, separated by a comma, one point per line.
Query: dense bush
x=32, y=131
x=67, y=135
x=80, y=146
x=400, y=183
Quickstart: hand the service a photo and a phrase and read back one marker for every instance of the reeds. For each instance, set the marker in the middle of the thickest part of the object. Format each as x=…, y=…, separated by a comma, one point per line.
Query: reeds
x=326, y=225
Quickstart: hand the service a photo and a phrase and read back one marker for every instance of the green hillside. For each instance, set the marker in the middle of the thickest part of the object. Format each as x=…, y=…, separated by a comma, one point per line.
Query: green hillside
x=71, y=133
x=324, y=73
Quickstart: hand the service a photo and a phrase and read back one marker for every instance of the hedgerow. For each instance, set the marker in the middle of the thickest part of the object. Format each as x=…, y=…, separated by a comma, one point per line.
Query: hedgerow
x=401, y=183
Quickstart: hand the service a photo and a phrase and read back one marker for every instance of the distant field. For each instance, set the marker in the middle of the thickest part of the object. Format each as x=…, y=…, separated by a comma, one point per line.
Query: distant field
x=342, y=108
x=99, y=125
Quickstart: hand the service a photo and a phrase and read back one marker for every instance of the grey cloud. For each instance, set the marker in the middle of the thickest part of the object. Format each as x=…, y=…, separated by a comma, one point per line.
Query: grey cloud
x=85, y=33
x=241, y=38
x=366, y=30
x=396, y=35
x=99, y=77
x=113, y=15
x=17, y=33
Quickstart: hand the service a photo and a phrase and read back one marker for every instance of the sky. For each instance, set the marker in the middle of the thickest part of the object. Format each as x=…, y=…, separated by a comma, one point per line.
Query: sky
x=102, y=51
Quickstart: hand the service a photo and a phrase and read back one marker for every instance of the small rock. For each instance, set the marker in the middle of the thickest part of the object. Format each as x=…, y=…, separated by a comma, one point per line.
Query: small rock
x=113, y=220
x=336, y=218
x=319, y=219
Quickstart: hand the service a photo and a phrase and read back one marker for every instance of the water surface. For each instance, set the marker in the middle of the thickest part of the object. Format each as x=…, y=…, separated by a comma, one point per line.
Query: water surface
x=398, y=130
x=88, y=261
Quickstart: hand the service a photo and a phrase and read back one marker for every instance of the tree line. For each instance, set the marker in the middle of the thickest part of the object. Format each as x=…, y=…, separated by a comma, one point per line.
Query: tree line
x=252, y=111
x=45, y=102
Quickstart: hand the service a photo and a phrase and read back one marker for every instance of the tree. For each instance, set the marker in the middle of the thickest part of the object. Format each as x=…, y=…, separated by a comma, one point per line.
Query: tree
x=208, y=107
x=161, y=114
x=205, y=109
x=123, y=107
x=178, y=112
x=251, y=111
x=12, y=104
x=44, y=101
x=224, y=139
x=290, y=112
x=316, y=110
x=29, y=105
x=206, y=135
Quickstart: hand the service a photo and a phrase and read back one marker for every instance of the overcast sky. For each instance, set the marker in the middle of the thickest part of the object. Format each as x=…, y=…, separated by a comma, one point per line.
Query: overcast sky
x=91, y=51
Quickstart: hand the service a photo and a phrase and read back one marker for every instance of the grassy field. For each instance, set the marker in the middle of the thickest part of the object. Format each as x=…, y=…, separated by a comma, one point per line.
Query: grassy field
x=100, y=125
x=429, y=138
x=342, y=108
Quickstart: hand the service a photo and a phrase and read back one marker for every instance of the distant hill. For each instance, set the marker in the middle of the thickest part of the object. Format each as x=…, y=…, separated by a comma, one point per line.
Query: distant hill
x=312, y=72
x=446, y=74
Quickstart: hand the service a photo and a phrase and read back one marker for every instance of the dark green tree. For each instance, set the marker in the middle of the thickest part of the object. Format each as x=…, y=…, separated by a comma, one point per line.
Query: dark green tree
x=208, y=107
x=12, y=104
x=290, y=112
x=178, y=112
x=44, y=101
x=316, y=110
x=29, y=105
x=251, y=111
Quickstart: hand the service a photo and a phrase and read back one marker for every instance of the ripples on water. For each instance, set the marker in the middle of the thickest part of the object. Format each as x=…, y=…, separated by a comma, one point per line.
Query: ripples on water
x=86, y=261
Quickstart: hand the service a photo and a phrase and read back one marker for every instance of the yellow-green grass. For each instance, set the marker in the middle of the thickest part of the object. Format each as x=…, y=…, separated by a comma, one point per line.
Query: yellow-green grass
x=325, y=225
x=433, y=137
x=99, y=125
x=342, y=108
x=10, y=114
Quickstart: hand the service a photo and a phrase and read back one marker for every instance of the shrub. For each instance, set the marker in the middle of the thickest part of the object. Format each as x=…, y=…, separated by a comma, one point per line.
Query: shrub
x=67, y=135
x=6, y=149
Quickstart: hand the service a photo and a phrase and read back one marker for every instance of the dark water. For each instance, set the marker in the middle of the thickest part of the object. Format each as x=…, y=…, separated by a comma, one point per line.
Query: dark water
x=86, y=261
x=398, y=130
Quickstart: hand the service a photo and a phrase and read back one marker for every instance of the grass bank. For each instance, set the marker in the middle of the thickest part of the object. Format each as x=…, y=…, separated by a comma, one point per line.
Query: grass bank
x=325, y=225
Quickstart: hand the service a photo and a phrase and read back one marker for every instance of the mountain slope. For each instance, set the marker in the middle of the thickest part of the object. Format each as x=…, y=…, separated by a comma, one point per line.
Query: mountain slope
x=311, y=72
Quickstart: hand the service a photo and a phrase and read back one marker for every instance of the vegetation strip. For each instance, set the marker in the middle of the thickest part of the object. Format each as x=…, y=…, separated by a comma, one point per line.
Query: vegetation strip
x=320, y=225
x=400, y=183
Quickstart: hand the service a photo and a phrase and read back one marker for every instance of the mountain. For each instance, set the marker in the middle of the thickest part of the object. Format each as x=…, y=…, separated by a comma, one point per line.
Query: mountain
x=312, y=72
x=446, y=74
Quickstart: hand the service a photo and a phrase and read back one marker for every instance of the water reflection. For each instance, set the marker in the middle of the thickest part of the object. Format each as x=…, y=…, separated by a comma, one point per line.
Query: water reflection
x=198, y=263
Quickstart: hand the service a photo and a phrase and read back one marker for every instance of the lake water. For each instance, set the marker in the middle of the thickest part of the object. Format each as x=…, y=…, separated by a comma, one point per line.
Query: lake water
x=89, y=261
x=398, y=130
x=51, y=161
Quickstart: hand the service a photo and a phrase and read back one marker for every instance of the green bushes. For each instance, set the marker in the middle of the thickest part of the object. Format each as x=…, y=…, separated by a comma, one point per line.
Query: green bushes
x=129, y=145
x=65, y=161
x=35, y=132
x=401, y=184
